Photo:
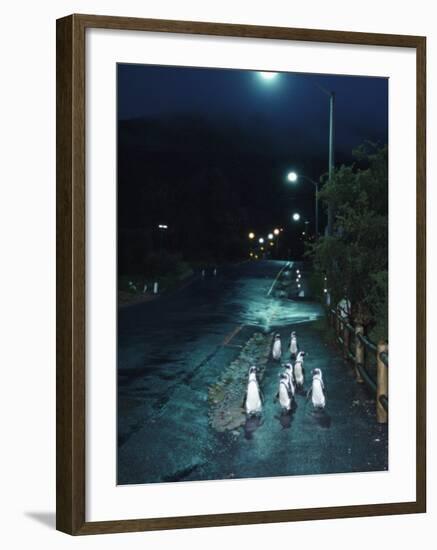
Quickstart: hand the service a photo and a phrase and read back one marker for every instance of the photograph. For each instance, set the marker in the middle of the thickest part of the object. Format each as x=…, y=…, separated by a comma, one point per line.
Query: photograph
x=252, y=274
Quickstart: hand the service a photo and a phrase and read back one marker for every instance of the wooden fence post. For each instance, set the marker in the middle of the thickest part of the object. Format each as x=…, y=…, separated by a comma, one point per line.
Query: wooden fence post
x=381, y=382
x=359, y=351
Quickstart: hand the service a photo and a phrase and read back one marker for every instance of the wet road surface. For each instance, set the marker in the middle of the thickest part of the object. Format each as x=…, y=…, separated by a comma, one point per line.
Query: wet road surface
x=170, y=350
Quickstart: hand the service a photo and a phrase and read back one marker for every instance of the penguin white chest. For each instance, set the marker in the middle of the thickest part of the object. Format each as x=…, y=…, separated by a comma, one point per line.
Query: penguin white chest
x=253, y=399
x=284, y=398
x=298, y=373
x=318, y=395
x=290, y=381
x=277, y=351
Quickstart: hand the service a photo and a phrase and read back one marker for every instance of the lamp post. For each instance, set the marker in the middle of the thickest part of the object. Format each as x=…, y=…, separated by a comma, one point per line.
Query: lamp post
x=162, y=228
x=331, y=96
x=270, y=77
x=293, y=177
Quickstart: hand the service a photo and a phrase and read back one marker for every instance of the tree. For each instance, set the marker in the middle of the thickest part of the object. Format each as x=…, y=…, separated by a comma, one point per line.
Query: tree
x=355, y=258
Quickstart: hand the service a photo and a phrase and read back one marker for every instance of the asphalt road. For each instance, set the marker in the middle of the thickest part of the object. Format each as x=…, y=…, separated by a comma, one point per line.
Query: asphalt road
x=173, y=348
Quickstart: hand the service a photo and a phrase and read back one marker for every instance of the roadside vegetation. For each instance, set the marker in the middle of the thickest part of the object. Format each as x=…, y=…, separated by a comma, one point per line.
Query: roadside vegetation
x=354, y=260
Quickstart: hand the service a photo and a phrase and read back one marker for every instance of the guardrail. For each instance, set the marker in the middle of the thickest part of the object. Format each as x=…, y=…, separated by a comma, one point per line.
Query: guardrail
x=370, y=360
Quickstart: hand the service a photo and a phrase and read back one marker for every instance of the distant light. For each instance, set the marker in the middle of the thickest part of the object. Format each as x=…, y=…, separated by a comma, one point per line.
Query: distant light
x=251, y=235
x=251, y=254
x=303, y=232
x=292, y=176
x=267, y=75
x=270, y=236
x=297, y=270
x=262, y=248
x=260, y=240
x=162, y=226
x=298, y=286
x=296, y=217
x=276, y=231
x=325, y=290
x=271, y=244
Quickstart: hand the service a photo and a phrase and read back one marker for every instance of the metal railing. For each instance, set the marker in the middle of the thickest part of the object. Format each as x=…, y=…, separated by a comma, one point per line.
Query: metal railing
x=370, y=360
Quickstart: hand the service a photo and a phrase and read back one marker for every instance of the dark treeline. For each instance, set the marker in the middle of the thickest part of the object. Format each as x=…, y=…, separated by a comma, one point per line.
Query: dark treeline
x=206, y=182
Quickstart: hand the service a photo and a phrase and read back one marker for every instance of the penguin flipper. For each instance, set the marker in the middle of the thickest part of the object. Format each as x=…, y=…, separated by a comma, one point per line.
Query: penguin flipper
x=244, y=399
x=309, y=392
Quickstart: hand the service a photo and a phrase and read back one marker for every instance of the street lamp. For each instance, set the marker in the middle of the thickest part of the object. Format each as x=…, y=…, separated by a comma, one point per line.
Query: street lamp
x=261, y=240
x=293, y=177
x=268, y=75
x=162, y=227
x=276, y=231
x=270, y=236
x=296, y=217
x=251, y=235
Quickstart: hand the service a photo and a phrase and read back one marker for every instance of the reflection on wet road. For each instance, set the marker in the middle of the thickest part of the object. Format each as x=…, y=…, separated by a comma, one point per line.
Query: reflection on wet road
x=171, y=349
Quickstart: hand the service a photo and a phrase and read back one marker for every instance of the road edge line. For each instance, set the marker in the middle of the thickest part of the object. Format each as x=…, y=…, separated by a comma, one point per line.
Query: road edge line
x=277, y=277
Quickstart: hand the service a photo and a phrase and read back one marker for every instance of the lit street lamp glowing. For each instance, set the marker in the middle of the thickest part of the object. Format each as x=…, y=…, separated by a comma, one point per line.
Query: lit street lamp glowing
x=270, y=236
x=268, y=75
x=276, y=231
x=292, y=176
x=260, y=240
x=296, y=217
x=251, y=235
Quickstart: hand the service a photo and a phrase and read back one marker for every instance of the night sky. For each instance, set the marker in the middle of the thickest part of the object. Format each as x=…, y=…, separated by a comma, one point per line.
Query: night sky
x=250, y=129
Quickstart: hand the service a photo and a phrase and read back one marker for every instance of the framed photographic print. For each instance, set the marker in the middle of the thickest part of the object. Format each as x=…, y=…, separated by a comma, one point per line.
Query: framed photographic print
x=240, y=235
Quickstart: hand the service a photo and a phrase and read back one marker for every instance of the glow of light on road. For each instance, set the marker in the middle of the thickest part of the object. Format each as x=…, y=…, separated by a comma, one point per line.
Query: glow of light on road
x=296, y=217
x=270, y=236
x=268, y=75
x=251, y=235
x=292, y=176
x=260, y=240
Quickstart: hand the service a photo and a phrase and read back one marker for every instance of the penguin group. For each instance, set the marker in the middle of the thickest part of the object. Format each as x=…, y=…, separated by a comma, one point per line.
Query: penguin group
x=291, y=382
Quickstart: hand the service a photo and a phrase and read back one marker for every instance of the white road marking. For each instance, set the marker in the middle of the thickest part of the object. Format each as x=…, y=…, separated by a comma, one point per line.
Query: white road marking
x=288, y=264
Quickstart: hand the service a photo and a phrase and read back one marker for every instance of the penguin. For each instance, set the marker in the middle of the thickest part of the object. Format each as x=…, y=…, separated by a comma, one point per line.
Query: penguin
x=277, y=348
x=290, y=378
x=293, y=345
x=317, y=390
x=284, y=396
x=253, y=397
x=299, y=371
